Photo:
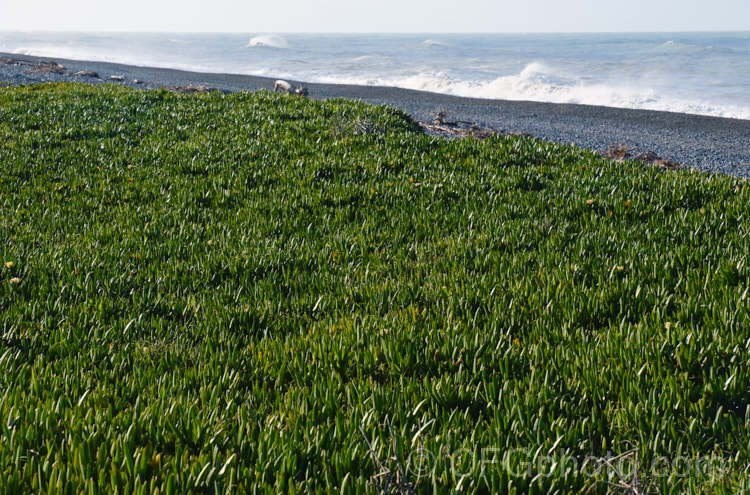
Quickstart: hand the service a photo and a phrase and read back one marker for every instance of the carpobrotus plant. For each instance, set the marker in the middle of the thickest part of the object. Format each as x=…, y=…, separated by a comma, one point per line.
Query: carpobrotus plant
x=231, y=293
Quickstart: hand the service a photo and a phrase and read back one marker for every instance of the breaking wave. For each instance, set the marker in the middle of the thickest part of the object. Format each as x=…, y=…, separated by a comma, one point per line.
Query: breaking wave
x=268, y=40
x=539, y=82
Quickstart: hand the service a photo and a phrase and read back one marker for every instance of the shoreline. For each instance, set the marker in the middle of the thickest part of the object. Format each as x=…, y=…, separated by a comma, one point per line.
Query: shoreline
x=710, y=144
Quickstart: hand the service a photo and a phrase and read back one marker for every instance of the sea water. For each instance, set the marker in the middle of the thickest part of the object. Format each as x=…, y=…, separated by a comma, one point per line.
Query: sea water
x=700, y=73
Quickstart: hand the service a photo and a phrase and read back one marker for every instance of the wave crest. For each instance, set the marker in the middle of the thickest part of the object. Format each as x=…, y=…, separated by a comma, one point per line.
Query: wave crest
x=268, y=40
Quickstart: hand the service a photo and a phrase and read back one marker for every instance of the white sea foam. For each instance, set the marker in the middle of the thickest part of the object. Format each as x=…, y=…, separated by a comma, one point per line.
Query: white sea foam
x=269, y=40
x=63, y=51
x=539, y=82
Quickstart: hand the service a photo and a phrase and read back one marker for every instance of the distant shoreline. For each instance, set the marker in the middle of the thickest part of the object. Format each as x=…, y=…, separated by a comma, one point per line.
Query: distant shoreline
x=710, y=144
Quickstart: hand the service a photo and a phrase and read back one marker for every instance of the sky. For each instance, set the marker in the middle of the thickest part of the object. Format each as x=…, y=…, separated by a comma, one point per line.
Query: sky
x=376, y=16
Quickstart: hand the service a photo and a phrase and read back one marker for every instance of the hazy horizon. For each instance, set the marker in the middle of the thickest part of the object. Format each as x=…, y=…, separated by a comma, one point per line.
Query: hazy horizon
x=337, y=33
x=387, y=17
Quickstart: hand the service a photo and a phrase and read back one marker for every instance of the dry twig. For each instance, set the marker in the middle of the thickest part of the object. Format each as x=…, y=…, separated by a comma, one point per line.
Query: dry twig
x=398, y=480
x=625, y=483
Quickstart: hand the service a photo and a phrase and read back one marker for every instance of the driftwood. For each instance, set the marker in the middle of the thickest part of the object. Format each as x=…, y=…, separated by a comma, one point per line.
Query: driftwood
x=86, y=73
x=49, y=66
x=461, y=129
x=457, y=128
x=454, y=129
x=620, y=152
x=189, y=90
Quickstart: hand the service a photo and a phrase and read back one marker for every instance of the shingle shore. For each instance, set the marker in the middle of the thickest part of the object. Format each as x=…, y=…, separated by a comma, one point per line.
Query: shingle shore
x=709, y=144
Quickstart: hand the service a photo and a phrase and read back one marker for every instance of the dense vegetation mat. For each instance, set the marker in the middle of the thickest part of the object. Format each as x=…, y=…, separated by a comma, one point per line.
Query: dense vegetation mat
x=253, y=292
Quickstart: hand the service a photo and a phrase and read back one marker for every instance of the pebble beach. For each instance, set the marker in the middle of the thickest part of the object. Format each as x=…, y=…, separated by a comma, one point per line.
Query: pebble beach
x=704, y=143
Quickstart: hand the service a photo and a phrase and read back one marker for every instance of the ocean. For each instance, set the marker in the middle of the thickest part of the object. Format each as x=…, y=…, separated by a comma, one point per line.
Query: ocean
x=698, y=73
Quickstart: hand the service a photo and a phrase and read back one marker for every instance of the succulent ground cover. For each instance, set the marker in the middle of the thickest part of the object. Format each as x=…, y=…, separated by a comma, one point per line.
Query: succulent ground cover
x=261, y=293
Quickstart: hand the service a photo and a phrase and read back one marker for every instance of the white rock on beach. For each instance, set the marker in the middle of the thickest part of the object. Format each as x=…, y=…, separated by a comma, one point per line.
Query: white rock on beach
x=282, y=86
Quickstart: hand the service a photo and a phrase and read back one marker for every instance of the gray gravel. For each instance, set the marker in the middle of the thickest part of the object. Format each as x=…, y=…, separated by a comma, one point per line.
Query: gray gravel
x=709, y=144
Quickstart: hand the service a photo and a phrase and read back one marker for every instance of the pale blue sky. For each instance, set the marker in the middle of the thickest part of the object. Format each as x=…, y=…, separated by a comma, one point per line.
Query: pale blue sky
x=379, y=16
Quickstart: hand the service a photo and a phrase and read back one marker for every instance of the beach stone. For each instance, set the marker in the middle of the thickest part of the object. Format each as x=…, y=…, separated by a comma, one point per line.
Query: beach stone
x=282, y=86
x=86, y=73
